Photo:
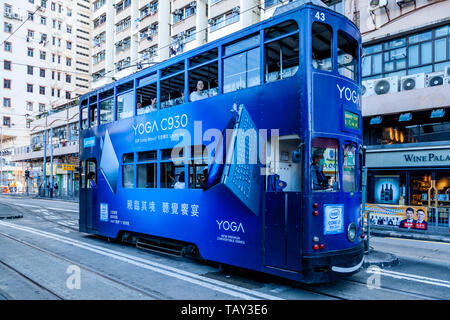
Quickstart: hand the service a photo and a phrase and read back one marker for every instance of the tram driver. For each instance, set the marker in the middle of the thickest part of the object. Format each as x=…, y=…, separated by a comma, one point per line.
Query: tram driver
x=320, y=181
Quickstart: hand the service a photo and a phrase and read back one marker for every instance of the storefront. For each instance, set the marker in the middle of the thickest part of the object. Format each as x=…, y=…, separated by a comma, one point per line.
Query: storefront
x=414, y=176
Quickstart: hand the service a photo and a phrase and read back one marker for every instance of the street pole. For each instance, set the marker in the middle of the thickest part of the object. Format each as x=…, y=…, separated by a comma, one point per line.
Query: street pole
x=51, y=162
x=364, y=200
x=1, y=157
x=44, y=185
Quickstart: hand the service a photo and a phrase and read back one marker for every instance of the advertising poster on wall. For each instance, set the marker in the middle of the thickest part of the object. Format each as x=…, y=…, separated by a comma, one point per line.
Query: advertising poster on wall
x=405, y=217
x=387, y=189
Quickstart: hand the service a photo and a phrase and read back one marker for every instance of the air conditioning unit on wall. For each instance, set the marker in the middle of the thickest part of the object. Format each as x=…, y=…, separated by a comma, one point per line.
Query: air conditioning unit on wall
x=386, y=85
x=367, y=88
x=376, y=4
x=435, y=79
x=447, y=74
x=411, y=82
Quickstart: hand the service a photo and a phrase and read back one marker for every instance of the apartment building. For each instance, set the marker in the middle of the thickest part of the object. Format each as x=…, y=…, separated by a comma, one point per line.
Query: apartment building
x=45, y=62
x=133, y=34
x=406, y=101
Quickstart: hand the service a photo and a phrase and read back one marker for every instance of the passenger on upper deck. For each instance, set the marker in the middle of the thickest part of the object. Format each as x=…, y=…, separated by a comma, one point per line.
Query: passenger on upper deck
x=146, y=109
x=199, y=94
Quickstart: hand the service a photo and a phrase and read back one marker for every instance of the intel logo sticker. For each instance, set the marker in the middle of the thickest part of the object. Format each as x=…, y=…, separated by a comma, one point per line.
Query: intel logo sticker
x=334, y=218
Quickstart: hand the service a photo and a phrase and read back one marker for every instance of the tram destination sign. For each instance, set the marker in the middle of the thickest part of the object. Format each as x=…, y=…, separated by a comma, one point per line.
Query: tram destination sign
x=351, y=120
x=408, y=158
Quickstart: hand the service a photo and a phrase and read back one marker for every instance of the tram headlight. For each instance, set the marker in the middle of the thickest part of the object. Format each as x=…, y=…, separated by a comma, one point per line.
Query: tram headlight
x=351, y=232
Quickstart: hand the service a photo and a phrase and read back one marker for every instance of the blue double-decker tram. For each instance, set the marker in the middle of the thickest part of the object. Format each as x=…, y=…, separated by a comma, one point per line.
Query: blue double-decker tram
x=245, y=151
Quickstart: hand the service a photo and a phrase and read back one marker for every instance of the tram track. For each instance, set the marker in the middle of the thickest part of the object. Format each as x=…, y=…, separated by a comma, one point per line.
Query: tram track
x=152, y=295
x=39, y=285
x=39, y=212
x=394, y=290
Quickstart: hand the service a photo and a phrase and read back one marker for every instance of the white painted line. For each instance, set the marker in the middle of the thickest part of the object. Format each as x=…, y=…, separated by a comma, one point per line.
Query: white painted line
x=180, y=274
x=410, y=277
x=40, y=207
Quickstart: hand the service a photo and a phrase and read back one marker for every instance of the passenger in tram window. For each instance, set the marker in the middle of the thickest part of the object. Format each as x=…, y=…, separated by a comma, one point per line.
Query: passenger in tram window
x=320, y=181
x=203, y=179
x=91, y=181
x=199, y=94
x=180, y=184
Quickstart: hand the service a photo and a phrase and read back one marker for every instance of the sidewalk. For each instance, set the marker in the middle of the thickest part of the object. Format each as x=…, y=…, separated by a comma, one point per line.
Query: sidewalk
x=409, y=235
x=36, y=196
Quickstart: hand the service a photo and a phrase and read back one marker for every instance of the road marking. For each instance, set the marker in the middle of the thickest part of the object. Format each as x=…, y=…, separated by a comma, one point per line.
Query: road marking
x=434, y=242
x=180, y=274
x=51, y=208
x=411, y=277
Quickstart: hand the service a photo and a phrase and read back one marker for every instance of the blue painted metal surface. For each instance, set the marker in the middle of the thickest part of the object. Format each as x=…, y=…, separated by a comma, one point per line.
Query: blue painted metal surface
x=272, y=235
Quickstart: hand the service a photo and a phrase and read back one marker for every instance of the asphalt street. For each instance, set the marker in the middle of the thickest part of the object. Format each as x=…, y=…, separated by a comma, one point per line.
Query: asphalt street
x=44, y=257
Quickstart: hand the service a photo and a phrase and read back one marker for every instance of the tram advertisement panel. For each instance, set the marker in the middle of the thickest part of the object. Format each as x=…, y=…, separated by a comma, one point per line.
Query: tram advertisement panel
x=406, y=217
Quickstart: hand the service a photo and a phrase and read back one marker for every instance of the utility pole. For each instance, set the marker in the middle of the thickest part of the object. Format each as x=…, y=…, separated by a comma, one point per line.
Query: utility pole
x=51, y=162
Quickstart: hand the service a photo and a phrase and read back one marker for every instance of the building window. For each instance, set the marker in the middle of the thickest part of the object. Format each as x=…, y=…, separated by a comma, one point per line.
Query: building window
x=30, y=70
x=41, y=107
x=7, y=122
x=68, y=62
x=41, y=90
x=29, y=88
x=29, y=106
x=8, y=46
x=423, y=52
x=42, y=55
x=7, y=65
x=42, y=73
x=30, y=52
x=68, y=78
x=7, y=102
x=6, y=83
x=44, y=21
x=7, y=27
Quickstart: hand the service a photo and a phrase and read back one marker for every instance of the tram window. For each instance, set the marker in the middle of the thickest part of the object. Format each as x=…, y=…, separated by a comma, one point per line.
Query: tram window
x=349, y=168
x=172, y=69
x=84, y=118
x=173, y=154
x=125, y=87
x=107, y=111
x=242, y=71
x=128, y=170
x=172, y=91
x=347, y=56
x=125, y=107
x=281, y=29
x=146, y=99
x=128, y=158
x=282, y=58
x=204, y=57
x=325, y=164
x=146, y=175
x=171, y=173
x=93, y=115
x=204, y=82
x=146, y=156
x=321, y=46
x=242, y=45
x=83, y=175
x=198, y=167
x=91, y=171
x=128, y=176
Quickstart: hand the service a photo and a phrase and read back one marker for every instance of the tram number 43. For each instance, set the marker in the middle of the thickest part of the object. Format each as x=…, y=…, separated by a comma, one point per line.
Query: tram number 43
x=320, y=16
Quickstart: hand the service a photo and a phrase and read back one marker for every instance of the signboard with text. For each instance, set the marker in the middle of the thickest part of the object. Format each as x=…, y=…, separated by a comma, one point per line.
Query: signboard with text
x=405, y=217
